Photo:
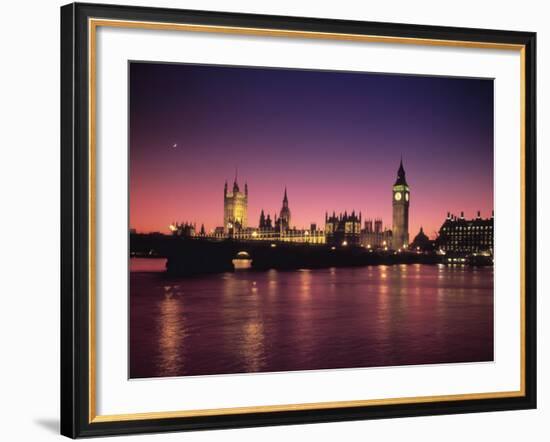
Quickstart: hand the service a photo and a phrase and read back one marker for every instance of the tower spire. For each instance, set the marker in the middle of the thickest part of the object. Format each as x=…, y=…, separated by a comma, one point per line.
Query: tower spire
x=401, y=180
x=284, y=215
x=235, y=184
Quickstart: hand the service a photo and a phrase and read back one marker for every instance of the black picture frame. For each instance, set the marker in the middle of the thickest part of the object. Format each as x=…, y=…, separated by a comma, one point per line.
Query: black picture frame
x=75, y=220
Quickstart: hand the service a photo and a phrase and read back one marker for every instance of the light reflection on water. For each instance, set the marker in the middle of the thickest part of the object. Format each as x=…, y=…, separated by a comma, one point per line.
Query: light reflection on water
x=171, y=332
x=312, y=319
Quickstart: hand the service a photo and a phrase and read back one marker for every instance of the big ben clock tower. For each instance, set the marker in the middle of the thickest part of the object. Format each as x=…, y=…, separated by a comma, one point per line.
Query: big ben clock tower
x=400, y=202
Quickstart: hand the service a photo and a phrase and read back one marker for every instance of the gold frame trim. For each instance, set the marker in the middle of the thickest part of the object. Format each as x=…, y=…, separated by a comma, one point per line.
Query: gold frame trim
x=93, y=24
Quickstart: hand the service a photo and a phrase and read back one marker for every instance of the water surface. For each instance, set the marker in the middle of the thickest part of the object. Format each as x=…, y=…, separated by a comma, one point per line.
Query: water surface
x=250, y=321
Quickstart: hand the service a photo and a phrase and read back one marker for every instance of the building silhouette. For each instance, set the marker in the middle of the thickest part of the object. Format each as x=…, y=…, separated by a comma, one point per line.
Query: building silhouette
x=400, y=203
x=283, y=223
x=186, y=229
x=421, y=242
x=265, y=223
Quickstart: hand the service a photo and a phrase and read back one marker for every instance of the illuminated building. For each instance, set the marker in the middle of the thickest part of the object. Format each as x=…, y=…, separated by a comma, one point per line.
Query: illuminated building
x=400, y=202
x=276, y=235
x=343, y=230
x=279, y=229
x=235, y=208
x=466, y=236
x=374, y=236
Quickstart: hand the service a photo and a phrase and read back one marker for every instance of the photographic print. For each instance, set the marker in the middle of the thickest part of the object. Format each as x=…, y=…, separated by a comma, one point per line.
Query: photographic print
x=272, y=220
x=286, y=219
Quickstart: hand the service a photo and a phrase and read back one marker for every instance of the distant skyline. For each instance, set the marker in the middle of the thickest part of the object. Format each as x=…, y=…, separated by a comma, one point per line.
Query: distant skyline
x=333, y=139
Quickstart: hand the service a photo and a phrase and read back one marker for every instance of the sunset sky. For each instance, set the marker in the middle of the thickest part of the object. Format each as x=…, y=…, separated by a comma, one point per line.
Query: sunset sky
x=334, y=139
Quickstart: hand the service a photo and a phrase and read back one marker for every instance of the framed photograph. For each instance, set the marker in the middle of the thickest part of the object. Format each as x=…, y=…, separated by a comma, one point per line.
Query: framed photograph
x=278, y=220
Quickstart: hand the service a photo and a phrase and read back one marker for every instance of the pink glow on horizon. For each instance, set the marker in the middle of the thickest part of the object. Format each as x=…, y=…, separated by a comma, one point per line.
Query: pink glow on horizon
x=334, y=139
x=164, y=198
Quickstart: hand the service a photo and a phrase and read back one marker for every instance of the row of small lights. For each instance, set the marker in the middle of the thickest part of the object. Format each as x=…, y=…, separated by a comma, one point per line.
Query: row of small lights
x=344, y=243
x=255, y=233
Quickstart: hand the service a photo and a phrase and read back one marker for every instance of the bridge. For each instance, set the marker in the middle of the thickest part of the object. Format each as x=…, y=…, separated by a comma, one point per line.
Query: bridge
x=189, y=256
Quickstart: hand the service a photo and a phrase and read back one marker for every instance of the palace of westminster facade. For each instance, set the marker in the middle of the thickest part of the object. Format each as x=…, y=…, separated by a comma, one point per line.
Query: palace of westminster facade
x=344, y=229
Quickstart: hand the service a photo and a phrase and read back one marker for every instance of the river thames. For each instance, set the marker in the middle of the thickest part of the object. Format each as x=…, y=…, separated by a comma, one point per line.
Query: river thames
x=251, y=321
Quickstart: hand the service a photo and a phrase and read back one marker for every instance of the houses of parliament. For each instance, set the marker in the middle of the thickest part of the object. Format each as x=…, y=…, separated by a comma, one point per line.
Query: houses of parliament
x=457, y=235
x=339, y=230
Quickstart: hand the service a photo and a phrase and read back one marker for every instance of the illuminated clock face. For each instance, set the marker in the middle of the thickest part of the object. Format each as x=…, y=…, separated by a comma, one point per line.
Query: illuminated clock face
x=406, y=197
x=398, y=196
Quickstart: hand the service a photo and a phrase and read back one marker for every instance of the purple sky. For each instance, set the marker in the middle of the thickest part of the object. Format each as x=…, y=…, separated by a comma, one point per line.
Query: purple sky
x=334, y=139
